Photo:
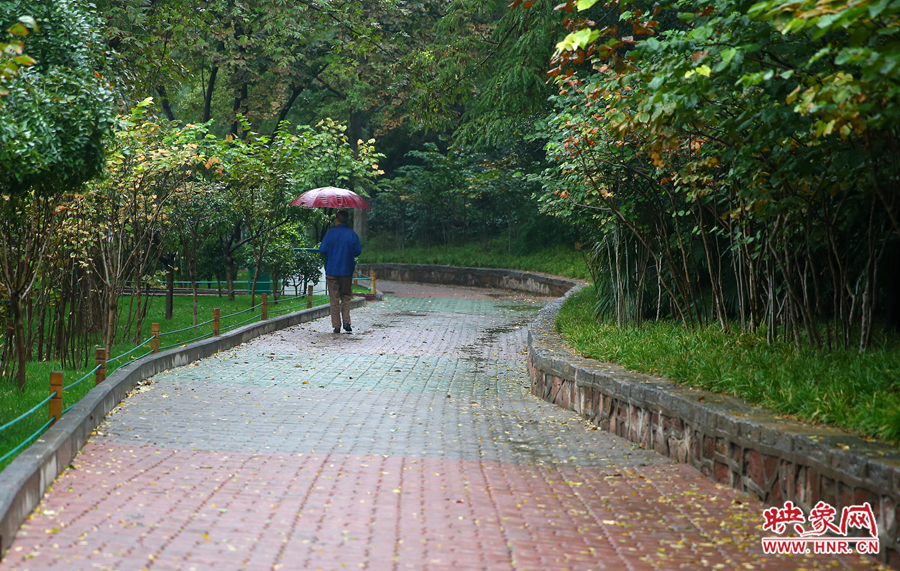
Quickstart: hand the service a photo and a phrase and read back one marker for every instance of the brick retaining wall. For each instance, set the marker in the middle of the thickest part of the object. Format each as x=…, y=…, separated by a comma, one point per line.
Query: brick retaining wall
x=771, y=458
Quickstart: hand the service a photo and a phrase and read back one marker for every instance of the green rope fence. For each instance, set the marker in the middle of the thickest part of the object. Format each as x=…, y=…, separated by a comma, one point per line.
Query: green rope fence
x=156, y=336
x=26, y=441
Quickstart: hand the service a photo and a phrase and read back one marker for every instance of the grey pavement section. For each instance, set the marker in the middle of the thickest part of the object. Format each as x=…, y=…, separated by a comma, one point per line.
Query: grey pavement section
x=432, y=377
x=24, y=480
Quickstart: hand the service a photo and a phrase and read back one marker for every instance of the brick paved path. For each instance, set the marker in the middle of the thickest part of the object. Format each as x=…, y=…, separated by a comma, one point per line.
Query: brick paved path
x=410, y=444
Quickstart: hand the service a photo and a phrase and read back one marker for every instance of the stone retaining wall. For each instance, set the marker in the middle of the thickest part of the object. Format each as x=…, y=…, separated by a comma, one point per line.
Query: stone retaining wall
x=471, y=277
x=774, y=459
x=23, y=482
x=771, y=458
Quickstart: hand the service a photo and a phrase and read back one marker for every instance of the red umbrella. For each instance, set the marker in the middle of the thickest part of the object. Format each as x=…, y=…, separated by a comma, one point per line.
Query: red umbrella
x=330, y=197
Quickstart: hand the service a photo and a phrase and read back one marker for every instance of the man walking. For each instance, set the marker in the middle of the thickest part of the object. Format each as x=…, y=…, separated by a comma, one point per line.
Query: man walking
x=340, y=246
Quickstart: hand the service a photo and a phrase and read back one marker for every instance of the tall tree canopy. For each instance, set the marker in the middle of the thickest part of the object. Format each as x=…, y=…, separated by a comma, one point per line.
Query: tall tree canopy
x=57, y=111
x=265, y=59
x=54, y=119
x=765, y=135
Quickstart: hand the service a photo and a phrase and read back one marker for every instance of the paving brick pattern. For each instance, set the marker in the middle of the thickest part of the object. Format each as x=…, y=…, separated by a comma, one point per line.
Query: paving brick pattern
x=411, y=444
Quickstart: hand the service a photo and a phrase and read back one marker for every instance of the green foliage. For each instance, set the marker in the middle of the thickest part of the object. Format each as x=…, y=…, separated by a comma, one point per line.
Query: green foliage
x=751, y=161
x=267, y=60
x=55, y=116
x=483, y=76
x=558, y=260
x=848, y=75
x=304, y=270
x=57, y=112
x=11, y=51
x=856, y=393
x=466, y=196
x=261, y=175
x=287, y=263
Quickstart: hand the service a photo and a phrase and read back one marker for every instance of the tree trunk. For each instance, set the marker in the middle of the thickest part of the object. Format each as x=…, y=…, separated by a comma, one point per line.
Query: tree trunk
x=286, y=108
x=131, y=313
x=111, y=318
x=207, y=97
x=164, y=101
x=15, y=304
x=228, y=257
x=253, y=286
x=194, y=288
x=259, y=259
x=170, y=291
x=239, y=107
x=42, y=317
x=229, y=276
x=142, y=313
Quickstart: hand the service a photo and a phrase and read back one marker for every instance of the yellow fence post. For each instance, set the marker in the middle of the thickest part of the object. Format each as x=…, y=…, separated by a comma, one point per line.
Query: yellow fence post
x=154, y=330
x=265, y=307
x=373, y=282
x=215, y=323
x=56, y=380
x=309, y=296
x=100, y=373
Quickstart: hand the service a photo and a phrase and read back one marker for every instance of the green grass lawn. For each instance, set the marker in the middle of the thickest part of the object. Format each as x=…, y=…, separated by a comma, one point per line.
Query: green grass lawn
x=556, y=260
x=14, y=403
x=859, y=393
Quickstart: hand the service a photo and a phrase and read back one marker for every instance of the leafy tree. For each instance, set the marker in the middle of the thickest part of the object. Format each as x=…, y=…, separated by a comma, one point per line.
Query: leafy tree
x=304, y=270
x=194, y=215
x=463, y=194
x=261, y=59
x=58, y=111
x=11, y=51
x=483, y=75
x=287, y=264
x=262, y=175
x=149, y=169
x=747, y=148
x=54, y=120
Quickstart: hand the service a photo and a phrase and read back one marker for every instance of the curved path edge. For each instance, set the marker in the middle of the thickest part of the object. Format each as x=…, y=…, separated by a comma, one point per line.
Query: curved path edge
x=728, y=441
x=24, y=481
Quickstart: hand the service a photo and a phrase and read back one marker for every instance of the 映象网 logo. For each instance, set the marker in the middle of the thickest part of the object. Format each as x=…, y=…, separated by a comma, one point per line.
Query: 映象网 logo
x=824, y=536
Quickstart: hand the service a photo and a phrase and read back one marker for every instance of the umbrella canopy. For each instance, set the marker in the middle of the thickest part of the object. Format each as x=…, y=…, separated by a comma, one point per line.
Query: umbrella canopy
x=330, y=197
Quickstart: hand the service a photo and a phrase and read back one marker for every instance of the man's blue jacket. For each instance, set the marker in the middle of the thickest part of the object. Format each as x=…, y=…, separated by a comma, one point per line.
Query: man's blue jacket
x=340, y=245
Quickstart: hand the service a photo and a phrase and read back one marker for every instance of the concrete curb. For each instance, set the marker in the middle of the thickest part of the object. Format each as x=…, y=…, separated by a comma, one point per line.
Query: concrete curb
x=24, y=481
x=728, y=441
x=515, y=280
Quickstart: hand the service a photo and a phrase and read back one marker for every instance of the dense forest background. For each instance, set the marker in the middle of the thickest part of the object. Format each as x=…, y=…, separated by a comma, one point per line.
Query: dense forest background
x=729, y=164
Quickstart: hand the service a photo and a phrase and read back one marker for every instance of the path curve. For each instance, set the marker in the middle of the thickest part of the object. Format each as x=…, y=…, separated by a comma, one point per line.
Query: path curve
x=411, y=444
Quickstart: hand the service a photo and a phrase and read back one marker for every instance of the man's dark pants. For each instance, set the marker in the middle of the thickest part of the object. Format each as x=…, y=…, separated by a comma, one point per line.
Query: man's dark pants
x=340, y=289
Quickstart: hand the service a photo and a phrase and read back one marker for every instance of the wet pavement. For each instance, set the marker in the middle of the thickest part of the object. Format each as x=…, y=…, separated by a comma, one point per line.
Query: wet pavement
x=412, y=443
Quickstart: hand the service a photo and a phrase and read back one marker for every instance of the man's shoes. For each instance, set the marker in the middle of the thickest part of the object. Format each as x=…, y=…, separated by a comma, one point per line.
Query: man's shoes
x=347, y=328
x=337, y=330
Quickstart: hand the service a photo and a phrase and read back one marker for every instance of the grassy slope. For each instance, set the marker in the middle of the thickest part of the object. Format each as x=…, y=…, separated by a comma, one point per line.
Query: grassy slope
x=859, y=393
